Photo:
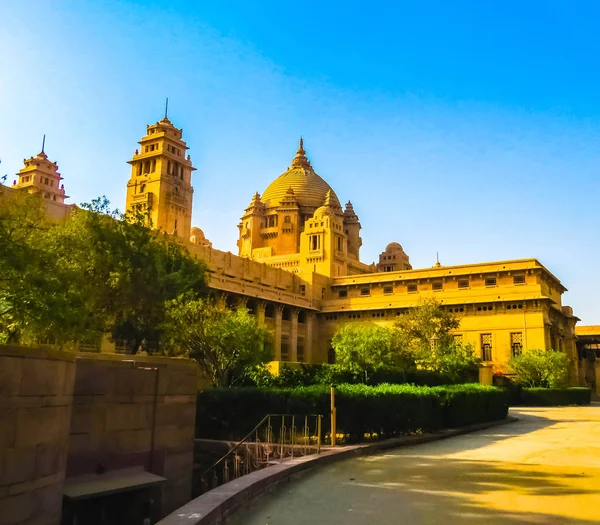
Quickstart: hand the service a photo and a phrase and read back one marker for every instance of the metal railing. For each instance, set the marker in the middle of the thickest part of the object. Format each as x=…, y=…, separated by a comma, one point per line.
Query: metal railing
x=276, y=438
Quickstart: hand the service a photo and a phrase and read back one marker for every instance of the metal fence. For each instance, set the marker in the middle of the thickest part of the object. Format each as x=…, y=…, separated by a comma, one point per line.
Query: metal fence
x=276, y=438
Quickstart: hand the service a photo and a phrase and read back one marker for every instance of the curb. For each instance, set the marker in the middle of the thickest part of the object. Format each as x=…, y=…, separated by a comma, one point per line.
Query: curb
x=214, y=507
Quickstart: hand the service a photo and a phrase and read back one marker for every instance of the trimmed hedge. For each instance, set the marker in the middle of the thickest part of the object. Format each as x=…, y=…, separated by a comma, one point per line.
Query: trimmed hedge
x=545, y=397
x=377, y=411
x=308, y=375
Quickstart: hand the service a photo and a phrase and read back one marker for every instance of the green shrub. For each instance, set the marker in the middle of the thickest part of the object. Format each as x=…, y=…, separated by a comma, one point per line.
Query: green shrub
x=306, y=375
x=555, y=396
x=383, y=411
x=541, y=368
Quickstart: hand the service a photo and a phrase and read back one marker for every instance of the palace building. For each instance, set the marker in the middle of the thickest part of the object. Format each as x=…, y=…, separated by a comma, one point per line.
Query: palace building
x=298, y=266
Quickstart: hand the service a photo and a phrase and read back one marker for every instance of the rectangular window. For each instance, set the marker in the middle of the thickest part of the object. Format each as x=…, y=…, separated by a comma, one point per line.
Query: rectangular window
x=519, y=279
x=315, y=242
x=388, y=289
x=285, y=348
x=389, y=268
x=516, y=343
x=463, y=283
x=302, y=289
x=437, y=286
x=490, y=281
x=458, y=338
x=486, y=347
x=343, y=293
x=411, y=287
x=340, y=246
x=300, y=350
x=365, y=291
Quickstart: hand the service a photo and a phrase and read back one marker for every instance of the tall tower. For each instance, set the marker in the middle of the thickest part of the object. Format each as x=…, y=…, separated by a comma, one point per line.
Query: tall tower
x=161, y=179
x=40, y=175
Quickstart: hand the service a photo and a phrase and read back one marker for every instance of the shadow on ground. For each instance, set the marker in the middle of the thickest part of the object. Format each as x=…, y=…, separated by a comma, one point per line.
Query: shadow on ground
x=426, y=485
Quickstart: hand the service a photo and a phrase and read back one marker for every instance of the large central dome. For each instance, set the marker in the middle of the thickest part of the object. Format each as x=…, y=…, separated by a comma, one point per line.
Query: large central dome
x=309, y=189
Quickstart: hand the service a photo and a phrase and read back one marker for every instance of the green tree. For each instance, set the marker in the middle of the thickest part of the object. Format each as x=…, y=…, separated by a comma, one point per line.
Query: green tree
x=541, y=368
x=36, y=294
x=101, y=272
x=363, y=349
x=225, y=343
x=128, y=272
x=424, y=332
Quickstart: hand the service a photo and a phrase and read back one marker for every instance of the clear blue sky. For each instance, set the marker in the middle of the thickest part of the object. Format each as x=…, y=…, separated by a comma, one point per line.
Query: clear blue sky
x=466, y=128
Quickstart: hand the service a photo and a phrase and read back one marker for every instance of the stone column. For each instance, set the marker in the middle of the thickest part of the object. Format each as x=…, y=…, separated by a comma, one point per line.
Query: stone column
x=486, y=374
x=597, y=381
x=308, y=339
x=221, y=299
x=278, y=326
x=294, y=335
x=260, y=312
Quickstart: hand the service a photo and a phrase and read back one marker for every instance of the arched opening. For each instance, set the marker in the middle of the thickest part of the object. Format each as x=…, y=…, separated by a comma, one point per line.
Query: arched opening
x=232, y=301
x=269, y=311
x=302, y=317
x=286, y=314
x=252, y=306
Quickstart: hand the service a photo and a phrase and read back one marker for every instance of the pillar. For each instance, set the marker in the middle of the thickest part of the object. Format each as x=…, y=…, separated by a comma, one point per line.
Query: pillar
x=260, y=312
x=294, y=335
x=278, y=329
x=221, y=299
x=597, y=381
x=308, y=339
x=486, y=375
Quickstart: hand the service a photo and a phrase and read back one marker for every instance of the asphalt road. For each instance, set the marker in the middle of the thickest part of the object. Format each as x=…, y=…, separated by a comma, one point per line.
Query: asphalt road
x=543, y=469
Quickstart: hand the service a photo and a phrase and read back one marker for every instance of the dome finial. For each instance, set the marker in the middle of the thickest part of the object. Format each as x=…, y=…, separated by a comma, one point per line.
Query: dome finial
x=327, y=199
x=300, y=160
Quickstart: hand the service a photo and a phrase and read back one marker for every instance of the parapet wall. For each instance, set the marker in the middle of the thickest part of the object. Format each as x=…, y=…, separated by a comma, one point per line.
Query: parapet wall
x=36, y=392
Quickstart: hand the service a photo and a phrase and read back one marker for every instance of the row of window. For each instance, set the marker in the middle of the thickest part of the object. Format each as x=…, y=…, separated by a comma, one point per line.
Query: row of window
x=453, y=309
x=516, y=345
x=435, y=286
x=154, y=147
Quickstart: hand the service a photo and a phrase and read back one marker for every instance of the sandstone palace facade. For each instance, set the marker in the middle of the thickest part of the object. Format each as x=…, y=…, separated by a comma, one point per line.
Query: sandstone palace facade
x=298, y=266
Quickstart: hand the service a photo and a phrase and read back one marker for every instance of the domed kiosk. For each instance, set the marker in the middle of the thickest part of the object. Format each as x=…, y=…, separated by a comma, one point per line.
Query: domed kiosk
x=292, y=207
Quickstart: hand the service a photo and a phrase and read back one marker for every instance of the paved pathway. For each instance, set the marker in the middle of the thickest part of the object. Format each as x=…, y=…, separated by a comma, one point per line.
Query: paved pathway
x=544, y=469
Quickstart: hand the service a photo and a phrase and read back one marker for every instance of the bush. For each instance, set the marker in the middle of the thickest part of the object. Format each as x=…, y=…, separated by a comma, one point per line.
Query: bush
x=383, y=411
x=541, y=368
x=546, y=397
x=307, y=375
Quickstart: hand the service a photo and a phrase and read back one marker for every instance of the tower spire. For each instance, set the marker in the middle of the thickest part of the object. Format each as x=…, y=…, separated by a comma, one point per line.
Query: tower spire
x=300, y=160
x=43, y=143
x=167, y=108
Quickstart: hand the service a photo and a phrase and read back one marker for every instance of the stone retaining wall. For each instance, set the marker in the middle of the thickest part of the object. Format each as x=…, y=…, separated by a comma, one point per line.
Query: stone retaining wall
x=36, y=391
x=65, y=415
x=135, y=411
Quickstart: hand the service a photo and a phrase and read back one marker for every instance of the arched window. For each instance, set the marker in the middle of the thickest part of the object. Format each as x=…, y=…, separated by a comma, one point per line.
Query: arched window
x=287, y=219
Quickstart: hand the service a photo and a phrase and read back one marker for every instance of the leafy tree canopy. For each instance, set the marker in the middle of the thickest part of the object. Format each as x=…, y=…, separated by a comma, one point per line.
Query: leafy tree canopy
x=541, y=368
x=366, y=347
x=102, y=272
x=224, y=342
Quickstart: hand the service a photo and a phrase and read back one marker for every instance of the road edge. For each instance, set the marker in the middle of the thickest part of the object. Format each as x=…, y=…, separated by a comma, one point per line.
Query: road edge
x=214, y=507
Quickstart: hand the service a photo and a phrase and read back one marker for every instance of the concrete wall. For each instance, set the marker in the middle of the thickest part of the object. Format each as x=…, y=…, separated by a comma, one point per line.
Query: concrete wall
x=36, y=387
x=135, y=411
